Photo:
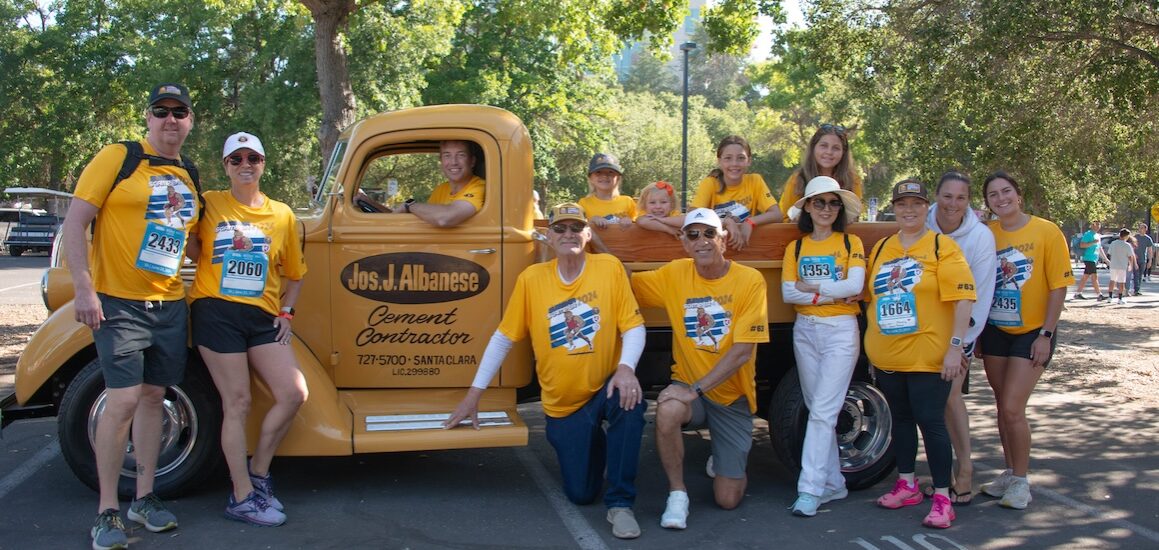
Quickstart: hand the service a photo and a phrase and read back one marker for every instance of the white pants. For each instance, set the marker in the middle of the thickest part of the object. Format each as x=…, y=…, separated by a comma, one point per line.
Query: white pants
x=826, y=351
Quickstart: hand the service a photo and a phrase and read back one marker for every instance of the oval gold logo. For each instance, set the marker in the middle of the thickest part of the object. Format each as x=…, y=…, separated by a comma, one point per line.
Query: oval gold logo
x=415, y=278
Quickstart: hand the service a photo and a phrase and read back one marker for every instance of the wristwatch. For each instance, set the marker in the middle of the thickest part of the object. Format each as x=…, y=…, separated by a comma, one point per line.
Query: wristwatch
x=406, y=205
x=696, y=388
x=1046, y=333
x=956, y=342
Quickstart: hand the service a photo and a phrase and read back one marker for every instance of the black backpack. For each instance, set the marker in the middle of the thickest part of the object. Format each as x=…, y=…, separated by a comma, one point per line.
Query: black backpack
x=135, y=153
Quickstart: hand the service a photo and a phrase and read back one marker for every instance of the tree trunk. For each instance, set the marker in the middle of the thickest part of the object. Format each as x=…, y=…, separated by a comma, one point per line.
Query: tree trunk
x=330, y=18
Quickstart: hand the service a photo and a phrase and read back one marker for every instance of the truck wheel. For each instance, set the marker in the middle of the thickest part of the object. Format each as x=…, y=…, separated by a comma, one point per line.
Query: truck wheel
x=15, y=251
x=190, y=432
x=863, y=430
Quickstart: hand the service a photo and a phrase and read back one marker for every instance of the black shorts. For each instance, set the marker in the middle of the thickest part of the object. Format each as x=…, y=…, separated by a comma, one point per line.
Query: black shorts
x=1000, y=343
x=1089, y=268
x=231, y=327
x=142, y=342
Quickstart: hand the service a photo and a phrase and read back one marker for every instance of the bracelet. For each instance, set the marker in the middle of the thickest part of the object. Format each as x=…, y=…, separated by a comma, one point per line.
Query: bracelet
x=816, y=297
x=751, y=222
x=286, y=315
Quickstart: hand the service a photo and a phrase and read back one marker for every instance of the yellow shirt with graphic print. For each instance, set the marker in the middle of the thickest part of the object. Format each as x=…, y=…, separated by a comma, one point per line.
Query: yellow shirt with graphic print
x=832, y=247
x=748, y=199
x=1041, y=246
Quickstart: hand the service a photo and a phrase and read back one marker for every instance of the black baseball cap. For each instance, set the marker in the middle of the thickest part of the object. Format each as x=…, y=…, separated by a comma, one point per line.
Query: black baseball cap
x=170, y=90
x=603, y=160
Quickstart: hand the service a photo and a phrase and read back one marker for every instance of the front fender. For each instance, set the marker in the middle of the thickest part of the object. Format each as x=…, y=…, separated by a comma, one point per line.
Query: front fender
x=57, y=341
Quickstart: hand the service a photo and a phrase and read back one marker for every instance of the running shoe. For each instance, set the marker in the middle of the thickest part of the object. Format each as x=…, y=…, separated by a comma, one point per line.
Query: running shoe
x=264, y=486
x=624, y=524
x=151, y=512
x=109, y=531
x=998, y=487
x=676, y=511
x=834, y=494
x=254, y=510
x=902, y=495
x=806, y=505
x=1078, y=296
x=941, y=513
x=1017, y=495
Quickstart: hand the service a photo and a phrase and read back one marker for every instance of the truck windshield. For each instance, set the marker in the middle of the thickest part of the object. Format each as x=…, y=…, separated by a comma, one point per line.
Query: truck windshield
x=331, y=171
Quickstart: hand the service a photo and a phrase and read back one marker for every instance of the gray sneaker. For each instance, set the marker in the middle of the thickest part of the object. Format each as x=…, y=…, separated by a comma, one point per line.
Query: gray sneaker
x=151, y=512
x=109, y=531
x=254, y=510
x=624, y=525
x=1017, y=495
x=998, y=487
x=264, y=486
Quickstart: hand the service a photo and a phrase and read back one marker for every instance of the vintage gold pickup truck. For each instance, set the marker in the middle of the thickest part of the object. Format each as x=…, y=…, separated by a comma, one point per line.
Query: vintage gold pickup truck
x=394, y=316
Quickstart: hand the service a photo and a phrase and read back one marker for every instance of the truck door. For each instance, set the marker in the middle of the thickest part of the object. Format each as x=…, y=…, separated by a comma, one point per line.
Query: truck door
x=413, y=305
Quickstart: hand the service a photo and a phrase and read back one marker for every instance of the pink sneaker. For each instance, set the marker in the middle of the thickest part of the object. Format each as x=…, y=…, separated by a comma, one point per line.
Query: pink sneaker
x=941, y=513
x=902, y=495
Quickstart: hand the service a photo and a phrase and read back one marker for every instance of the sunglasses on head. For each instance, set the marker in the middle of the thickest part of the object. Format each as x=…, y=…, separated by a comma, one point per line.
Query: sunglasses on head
x=161, y=111
x=253, y=158
x=822, y=204
x=836, y=129
x=562, y=228
x=693, y=234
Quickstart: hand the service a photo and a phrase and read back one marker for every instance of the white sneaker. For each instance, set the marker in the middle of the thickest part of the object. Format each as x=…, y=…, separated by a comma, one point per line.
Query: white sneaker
x=834, y=494
x=1017, y=495
x=998, y=487
x=676, y=512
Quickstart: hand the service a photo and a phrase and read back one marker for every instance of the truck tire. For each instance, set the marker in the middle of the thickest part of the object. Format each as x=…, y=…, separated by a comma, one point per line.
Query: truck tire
x=15, y=251
x=190, y=428
x=863, y=430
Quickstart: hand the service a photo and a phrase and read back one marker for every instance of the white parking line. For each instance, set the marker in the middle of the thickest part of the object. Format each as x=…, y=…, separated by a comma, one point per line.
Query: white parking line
x=17, y=286
x=29, y=467
x=585, y=536
x=1087, y=509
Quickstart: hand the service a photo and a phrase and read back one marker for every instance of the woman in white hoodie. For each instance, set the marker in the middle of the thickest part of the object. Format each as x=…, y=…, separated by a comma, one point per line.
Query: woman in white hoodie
x=953, y=216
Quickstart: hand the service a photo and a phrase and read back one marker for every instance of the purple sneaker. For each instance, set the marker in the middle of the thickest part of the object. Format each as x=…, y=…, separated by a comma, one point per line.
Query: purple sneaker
x=255, y=511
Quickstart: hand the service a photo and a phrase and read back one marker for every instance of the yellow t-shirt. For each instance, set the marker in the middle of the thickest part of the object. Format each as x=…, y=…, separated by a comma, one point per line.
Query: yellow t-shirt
x=575, y=349
x=750, y=198
x=824, y=260
x=1032, y=261
x=789, y=195
x=620, y=206
x=473, y=193
x=707, y=317
x=911, y=308
x=256, y=246
x=141, y=229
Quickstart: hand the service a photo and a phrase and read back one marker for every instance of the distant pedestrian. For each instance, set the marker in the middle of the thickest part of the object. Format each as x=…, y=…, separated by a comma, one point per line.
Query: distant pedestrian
x=1144, y=250
x=1089, y=245
x=1122, y=254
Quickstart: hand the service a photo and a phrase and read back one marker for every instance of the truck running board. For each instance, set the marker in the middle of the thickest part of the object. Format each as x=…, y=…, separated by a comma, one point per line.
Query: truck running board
x=400, y=422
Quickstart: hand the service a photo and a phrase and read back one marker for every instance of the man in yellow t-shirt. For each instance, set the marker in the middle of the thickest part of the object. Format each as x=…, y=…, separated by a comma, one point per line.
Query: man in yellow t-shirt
x=719, y=313
x=457, y=199
x=129, y=292
x=576, y=308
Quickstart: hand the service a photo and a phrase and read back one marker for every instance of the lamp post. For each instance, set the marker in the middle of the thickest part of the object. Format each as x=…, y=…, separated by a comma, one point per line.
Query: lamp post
x=686, y=48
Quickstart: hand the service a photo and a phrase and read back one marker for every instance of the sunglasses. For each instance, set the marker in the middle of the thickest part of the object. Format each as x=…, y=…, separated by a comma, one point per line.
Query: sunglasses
x=822, y=204
x=161, y=111
x=253, y=158
x=836, y=129
x=694, y=234
x=562, y=228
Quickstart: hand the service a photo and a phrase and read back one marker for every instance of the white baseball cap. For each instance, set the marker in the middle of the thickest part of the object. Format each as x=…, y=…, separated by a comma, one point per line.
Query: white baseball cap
x=242, y=140
x=706, y=216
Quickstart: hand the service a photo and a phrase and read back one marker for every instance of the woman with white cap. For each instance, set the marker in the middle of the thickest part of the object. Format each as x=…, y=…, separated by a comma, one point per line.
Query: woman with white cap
x=920, y=292
x=241, y=318
x=823, y=274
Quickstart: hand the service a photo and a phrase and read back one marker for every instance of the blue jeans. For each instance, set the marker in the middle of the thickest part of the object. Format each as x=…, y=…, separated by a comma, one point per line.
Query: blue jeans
x=1137, y=275
x=584, y=449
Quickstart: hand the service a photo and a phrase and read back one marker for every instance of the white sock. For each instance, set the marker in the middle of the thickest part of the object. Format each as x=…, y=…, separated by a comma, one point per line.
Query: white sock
x=910, y=478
